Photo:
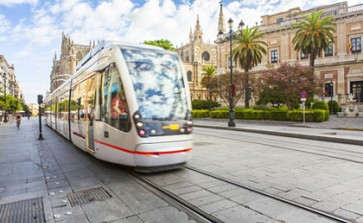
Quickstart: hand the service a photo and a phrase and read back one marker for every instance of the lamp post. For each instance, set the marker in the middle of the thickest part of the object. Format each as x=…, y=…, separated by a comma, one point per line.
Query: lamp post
x=331, y=97
x=5, y=117
x=231, y=122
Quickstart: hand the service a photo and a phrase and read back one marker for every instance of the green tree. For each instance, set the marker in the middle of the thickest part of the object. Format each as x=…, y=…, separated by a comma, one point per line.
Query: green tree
x=12, y=103
x=248, y=49
x=164, y=43
x=313, y=34
x=208, y=80
x=25, y=107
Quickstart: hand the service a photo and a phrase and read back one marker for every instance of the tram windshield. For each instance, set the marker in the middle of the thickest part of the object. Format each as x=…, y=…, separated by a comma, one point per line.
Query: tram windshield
x=158, y=83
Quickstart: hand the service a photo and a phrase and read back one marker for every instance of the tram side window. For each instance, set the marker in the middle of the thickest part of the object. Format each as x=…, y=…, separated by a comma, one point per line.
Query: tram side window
x=63, y=106
x=115, y=107
x=76, y=103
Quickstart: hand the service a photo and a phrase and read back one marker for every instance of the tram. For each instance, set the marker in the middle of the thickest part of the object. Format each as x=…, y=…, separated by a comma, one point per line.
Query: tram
x=127, y=104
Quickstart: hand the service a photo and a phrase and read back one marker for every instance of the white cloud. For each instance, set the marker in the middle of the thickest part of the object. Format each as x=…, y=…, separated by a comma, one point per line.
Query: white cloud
x=4, y=28
x=30, y=42
x=17, y=2
x=41, y=28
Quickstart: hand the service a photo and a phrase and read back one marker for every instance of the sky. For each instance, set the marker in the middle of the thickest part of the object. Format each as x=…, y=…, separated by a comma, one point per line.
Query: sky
x=31, y=30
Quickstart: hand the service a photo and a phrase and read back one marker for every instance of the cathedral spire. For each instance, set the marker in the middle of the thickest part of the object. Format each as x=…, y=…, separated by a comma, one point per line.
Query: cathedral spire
x=191, y=35
x=198, y=33
x=221, y=24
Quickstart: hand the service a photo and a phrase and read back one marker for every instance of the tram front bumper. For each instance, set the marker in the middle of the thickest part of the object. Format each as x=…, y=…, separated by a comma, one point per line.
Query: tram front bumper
x=162, y=154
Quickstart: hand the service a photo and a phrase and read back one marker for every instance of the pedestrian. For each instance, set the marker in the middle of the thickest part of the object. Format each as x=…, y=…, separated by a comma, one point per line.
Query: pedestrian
x=28, y=115
x=18, y=120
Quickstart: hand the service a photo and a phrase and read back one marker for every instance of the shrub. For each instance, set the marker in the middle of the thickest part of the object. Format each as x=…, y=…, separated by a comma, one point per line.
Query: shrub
x=322, y=105
x=278, y=115
x=203, y=104
x=219, y=114
x=319, y=115
x=297, y=116
x=200, y=113
x=263, y=107
x=335, y=106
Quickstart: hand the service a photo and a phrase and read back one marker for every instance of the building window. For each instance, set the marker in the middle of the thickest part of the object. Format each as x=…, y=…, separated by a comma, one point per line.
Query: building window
x=356, y=89
x=189, y=76
x=274, y=56
x=328, y=90
x=205, y=56
x=329, y=50
x=279, y=20
x=303, y=56
x=355, y=45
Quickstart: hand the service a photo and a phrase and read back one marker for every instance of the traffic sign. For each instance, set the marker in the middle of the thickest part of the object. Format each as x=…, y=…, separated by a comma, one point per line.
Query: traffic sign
x=303, y=94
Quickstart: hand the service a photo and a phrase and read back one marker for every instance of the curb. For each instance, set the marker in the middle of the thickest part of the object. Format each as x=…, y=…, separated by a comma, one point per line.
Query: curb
x=286, y=134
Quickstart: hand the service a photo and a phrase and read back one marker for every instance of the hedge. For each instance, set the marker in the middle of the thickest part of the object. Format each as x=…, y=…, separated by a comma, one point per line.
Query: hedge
x=321, y=105
x=278, y=115
x=200, y=114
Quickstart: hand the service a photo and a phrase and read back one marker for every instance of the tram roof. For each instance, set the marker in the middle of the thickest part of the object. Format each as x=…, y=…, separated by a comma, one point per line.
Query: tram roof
x=109, y=44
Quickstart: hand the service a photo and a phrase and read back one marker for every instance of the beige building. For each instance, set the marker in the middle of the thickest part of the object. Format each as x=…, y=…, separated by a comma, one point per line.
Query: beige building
x=63, y=68
x=339, y=65
x=34, y=109
x=197, y=54
x=12, y=86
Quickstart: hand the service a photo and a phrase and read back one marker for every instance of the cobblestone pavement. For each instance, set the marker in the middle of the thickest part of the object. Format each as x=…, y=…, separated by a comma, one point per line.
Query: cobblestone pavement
x=53, y=168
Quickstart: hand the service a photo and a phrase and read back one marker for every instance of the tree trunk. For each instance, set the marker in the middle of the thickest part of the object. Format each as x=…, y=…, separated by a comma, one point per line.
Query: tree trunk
x=247, y=100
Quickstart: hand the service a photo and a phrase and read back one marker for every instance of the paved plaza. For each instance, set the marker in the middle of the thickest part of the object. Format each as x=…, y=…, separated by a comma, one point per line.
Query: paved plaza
x=53, y=169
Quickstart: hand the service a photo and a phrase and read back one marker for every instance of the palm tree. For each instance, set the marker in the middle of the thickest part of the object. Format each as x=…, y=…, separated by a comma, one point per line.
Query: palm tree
x=313, y=34
x=208, y=80
x=248, y=51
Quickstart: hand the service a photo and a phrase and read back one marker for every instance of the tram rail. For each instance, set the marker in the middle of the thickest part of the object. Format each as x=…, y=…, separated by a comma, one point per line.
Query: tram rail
x=199, y=215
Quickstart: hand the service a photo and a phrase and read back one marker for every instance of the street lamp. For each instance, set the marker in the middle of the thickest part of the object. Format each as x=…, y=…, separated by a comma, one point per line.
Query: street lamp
x=4, y=76
x=240, y=25
x=331, y=97
x=231, y=122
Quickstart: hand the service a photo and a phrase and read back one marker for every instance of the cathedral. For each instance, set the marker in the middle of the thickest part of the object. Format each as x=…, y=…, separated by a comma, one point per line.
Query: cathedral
x=195, y=55
x=65, y=66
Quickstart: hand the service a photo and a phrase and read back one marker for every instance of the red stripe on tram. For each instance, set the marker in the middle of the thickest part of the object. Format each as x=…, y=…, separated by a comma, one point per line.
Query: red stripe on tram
x=144, y=153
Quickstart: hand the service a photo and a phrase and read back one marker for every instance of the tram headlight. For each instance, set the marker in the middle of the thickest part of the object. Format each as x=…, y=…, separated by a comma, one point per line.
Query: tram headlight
x=142, y=132
x=140, y=126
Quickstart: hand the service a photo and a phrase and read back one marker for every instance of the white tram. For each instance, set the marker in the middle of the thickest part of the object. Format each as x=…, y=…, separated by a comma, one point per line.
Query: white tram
x=127, y=104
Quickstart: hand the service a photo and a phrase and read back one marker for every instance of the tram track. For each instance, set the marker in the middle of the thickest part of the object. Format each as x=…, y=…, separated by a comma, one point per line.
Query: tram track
x=263, y=193
x=191, y=210
x=199, y=215
x=337, y=153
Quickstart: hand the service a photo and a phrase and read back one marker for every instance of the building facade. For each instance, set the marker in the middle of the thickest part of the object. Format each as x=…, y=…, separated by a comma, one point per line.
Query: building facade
x=64, y=67
x=8, y=79
x=341, y=64
x=197, y=54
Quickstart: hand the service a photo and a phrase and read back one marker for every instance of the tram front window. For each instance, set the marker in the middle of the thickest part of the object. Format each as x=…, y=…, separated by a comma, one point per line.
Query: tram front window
x=158, y=83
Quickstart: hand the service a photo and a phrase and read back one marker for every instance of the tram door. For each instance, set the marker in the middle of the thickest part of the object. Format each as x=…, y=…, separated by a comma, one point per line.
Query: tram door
x=90, y=110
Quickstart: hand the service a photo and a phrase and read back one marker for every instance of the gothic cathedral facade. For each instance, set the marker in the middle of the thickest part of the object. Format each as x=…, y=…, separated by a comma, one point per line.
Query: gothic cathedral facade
x=65, y=66
x=196, y=55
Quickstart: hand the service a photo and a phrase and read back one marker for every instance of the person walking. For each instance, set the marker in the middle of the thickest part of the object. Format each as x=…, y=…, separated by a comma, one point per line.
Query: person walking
x=18, y=120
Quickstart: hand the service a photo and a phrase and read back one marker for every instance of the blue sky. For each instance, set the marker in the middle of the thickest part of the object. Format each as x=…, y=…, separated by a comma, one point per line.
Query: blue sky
x=31, y=30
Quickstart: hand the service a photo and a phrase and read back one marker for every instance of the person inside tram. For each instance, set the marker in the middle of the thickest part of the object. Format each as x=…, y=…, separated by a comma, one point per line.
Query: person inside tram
x=119, y=112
